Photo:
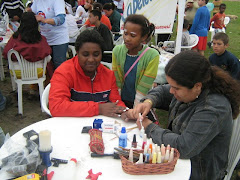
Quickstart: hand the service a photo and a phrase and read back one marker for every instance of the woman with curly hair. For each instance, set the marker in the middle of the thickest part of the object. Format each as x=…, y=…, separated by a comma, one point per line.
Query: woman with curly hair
x=203, y=100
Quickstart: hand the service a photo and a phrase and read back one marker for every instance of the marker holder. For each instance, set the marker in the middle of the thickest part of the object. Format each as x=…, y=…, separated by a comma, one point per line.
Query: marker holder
x=45, y=155
x=146, y=168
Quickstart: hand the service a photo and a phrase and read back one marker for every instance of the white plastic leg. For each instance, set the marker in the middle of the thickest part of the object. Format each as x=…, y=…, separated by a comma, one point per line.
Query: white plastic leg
x=20, y=107
x=41, y=88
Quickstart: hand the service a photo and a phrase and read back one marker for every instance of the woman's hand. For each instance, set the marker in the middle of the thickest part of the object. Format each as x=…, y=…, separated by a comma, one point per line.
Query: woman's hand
x=142, y=108
x=145, y=123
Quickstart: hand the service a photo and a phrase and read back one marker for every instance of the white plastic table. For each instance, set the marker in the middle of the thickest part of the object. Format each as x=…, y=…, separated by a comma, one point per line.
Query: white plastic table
x=68, y=142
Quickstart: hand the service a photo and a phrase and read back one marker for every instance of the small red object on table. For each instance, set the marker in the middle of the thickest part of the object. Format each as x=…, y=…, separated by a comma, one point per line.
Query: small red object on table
x=96, y=141
x=93, y=176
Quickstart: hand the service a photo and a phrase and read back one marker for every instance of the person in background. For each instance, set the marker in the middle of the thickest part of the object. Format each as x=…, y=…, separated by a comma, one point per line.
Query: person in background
x=14, y=9
x=119, y=5
x=88, y=6
x=104, y=19
x=29, y=3
x=80, y=13
x=134, y=63
x=223, y=58
x=218, y=19
x=185, y=39
x=113, y=15
x=5, y=102
x=69, y=7
x=82, y=86
x=51, y=18
x=33, y=46
x=104, y=1
x=190, y=11
x=200, y=26
x=216, y=6
x=94, y=18
x=81, y=2
x=73, y=30
x=202, y=107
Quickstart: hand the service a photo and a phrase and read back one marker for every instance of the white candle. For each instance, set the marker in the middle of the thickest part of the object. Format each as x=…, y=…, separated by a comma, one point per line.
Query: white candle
x=45, y=141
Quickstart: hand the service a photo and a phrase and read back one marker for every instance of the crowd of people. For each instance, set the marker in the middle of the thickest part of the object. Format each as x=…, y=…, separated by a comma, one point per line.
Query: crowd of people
x=202, y=94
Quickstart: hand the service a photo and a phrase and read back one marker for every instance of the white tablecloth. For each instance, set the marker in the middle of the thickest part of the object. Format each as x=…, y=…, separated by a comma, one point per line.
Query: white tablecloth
x=68, y=142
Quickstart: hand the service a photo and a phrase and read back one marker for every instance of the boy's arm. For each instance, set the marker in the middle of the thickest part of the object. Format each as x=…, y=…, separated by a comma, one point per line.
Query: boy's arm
x=234, y=66
x=195, y=22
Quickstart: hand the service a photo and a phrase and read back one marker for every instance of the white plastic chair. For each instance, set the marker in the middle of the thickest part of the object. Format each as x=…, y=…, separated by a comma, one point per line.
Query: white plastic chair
x=44, y=101
x=234, y=150
x=119, y=41
x=72, y=48
x=192, y=42
x=29, y=74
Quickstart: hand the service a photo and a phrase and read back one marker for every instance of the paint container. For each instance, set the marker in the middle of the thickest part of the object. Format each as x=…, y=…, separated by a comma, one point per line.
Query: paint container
x=134, y=142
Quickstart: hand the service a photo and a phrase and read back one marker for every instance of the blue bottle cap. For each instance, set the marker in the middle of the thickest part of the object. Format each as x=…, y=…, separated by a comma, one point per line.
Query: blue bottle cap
x=123, y=130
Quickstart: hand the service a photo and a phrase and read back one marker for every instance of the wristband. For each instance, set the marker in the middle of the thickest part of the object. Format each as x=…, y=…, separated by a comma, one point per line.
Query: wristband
x=148, y=101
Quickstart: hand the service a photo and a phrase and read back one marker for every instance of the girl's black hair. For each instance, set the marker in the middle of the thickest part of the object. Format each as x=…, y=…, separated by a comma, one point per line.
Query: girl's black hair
x=89, y=36
x=28, y=29
x=109, y=6
x=96, y=12
x=189, y=67
x=147, y=27
x=98, y=6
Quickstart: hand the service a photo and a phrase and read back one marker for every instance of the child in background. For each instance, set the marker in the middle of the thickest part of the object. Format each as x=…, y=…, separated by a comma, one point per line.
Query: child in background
x=135, y=78
x=200, y=26
x=216, y=6
x=222, y=58
x=114, y=16
x=104, y=19
x=73, y=30
x=218, y=19
x=185, y=39
x=94, y=18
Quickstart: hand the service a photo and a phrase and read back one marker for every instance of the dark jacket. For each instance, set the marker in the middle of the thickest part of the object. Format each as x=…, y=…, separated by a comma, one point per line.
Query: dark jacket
x=228, y=62
x=107, y=36
x=200, y=130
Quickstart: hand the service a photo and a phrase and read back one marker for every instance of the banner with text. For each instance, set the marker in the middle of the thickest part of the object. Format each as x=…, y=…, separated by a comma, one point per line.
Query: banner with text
x=159, y=12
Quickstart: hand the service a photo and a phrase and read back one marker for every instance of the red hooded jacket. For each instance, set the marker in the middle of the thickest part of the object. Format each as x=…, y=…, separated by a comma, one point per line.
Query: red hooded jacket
x=73, y=94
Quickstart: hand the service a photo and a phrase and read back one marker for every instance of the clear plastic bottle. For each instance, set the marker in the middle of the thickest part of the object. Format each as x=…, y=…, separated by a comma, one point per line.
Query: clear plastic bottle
x=123, y=138
x=70, y=171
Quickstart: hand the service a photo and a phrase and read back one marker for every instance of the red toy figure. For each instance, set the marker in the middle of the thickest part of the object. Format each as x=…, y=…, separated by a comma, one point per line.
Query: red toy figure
x=93, y=176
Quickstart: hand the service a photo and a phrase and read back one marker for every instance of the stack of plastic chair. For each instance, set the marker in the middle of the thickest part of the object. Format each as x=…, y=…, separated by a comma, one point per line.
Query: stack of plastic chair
x=193, y=42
